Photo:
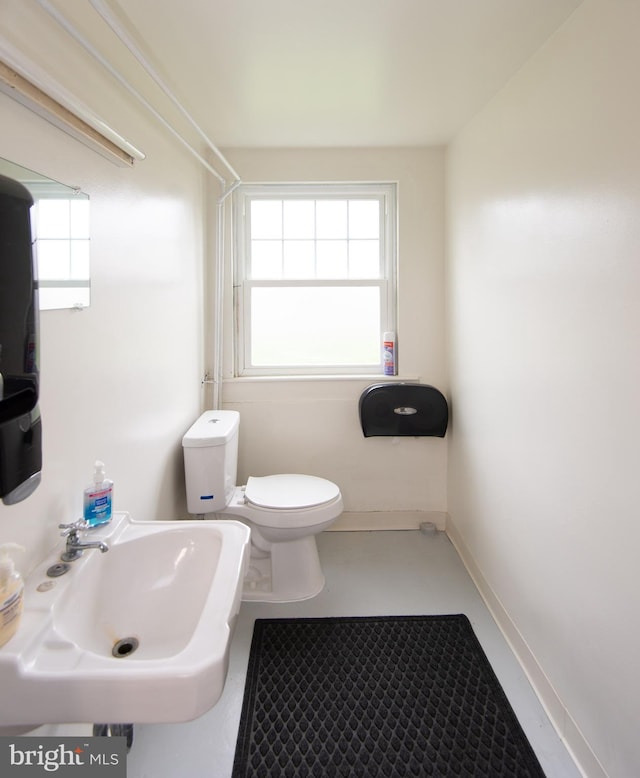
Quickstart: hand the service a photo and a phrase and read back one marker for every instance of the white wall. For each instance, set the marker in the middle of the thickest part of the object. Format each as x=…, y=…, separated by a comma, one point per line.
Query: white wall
x=544, y=315
x=313, y=426
x=121, y=379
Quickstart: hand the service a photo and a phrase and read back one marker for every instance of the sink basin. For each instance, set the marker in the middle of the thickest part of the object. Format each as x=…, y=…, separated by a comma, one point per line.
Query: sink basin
x=138, y=634
x=152, y=588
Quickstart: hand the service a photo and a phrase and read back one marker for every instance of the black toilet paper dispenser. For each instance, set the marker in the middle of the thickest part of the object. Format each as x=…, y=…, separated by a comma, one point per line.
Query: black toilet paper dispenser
x=402, y=409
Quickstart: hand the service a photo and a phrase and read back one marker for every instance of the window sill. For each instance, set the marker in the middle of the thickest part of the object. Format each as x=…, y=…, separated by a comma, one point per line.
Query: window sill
x=375, y=378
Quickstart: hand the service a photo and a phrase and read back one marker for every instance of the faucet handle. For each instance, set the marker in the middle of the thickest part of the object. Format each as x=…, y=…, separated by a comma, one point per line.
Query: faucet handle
x=73, y=527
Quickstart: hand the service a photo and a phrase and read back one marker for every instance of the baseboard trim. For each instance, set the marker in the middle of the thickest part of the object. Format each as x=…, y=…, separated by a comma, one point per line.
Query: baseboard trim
x=364, y=521
x=575, y=742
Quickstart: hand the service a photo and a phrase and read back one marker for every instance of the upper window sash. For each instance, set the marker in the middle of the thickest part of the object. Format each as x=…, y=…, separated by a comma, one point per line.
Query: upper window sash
x=383, y=193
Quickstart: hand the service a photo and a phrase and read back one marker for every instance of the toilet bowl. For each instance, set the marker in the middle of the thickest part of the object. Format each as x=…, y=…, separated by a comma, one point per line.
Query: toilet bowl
x=285, y=512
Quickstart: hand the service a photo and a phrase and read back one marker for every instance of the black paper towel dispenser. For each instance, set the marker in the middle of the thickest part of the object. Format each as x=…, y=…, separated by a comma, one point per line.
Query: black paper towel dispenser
x=398, y=409
x=20, y=426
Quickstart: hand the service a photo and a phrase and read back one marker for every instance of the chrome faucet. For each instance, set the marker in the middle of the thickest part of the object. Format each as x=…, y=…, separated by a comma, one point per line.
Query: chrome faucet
x=75, y=546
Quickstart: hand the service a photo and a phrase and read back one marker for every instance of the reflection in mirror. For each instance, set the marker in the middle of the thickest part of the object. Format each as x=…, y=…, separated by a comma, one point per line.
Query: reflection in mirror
x=60, y=221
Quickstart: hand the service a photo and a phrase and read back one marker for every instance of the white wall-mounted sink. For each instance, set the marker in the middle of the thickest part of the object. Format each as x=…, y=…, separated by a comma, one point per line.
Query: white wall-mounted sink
x=140, y=633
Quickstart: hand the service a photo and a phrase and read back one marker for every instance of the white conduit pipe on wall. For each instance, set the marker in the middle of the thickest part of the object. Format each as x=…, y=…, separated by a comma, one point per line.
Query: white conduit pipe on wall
x=71, y=30
x=117, y=29
x=218, y=301
x=107, y=15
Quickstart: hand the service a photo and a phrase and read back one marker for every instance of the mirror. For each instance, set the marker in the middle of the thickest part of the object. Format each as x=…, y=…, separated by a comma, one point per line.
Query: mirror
x=20, y=429
x=60, y=219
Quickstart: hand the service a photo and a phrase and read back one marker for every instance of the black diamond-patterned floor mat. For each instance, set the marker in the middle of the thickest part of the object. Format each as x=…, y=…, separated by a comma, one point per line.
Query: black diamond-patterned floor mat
x=389, y=696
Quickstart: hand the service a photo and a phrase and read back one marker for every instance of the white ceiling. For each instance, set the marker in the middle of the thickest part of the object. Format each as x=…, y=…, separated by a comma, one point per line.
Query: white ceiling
x=296, y=73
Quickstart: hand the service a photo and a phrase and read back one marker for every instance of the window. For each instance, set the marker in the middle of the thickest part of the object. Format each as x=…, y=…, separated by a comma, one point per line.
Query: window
x=314, y=278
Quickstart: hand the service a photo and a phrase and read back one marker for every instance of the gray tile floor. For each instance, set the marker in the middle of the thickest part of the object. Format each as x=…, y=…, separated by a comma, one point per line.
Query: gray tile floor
x=368, y=573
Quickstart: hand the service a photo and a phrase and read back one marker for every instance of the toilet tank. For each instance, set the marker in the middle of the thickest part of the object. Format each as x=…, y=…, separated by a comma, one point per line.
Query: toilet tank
x=210, y=448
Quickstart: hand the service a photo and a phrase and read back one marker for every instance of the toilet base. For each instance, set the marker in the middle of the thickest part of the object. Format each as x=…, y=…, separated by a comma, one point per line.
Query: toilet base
x=288, y=572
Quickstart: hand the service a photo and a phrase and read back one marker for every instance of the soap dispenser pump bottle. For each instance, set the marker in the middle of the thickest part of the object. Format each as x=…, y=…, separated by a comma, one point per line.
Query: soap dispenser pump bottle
x=98, y=498
x=11, y=593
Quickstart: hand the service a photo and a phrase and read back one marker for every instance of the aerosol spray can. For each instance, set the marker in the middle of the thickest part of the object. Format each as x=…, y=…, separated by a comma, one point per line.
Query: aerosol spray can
x=389, y=353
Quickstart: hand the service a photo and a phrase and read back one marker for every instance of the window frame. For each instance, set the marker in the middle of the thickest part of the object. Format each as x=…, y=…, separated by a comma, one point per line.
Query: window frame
x=386, y=194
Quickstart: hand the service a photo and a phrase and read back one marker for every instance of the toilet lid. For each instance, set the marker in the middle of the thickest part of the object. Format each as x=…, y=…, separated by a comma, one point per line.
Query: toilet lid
x=290, y=492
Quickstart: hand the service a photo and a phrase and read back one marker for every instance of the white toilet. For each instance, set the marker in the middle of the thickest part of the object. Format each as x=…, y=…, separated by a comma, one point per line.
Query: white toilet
x=284, y=512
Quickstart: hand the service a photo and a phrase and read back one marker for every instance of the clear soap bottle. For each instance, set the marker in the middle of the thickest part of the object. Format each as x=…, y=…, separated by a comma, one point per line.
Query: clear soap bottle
x=98, y=498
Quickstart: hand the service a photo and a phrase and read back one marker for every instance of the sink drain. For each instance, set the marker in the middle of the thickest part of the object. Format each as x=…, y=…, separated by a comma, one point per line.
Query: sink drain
x=124, y=647
x=58, y=569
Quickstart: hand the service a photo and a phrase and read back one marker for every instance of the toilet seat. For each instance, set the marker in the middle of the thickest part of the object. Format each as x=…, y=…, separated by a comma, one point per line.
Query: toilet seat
x=287, y=502
x=289, y=492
